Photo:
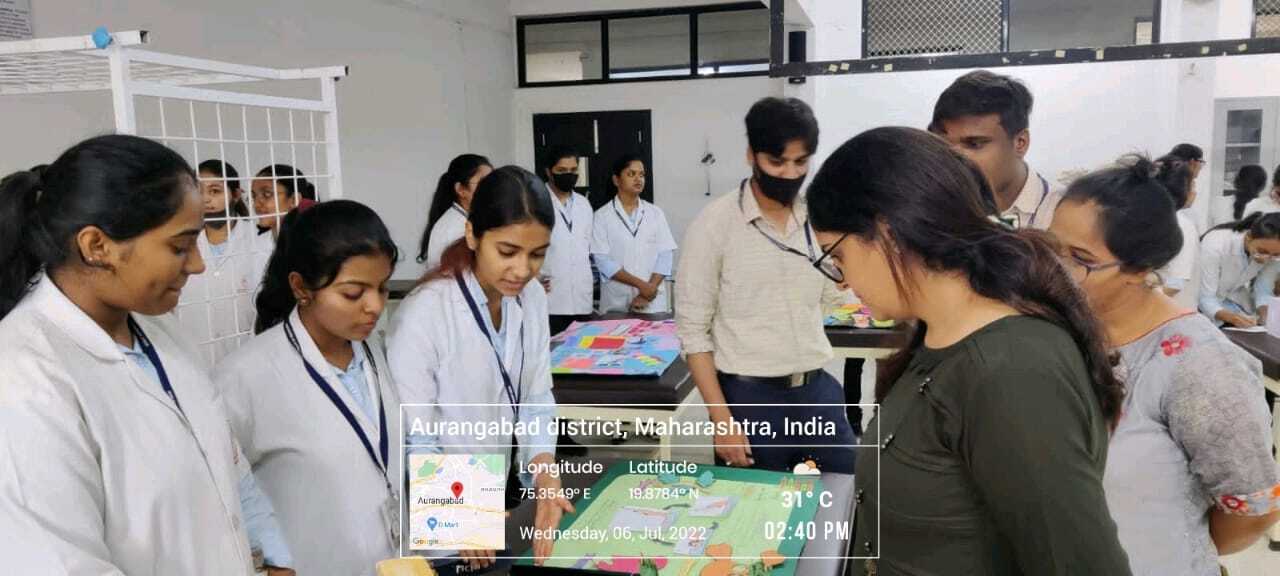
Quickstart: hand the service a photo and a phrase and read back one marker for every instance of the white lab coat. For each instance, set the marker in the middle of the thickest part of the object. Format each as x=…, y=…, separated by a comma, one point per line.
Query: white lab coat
x=98, y=468
x=611, y=235
x=569, y=259
x=1182, y=273
x=217, y=306
x=328, y=495
x=451, y=226
x=439, y=356
x=1227, y=274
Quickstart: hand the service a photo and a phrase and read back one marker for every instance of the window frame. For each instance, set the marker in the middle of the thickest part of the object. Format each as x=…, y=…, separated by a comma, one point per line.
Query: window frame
x=1006, y=31
x=603, y=19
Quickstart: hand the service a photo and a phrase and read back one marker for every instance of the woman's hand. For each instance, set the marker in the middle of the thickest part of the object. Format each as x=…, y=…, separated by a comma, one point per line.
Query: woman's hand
x=639, y=303
x=552, y=505
x=1237, y=320
x=648, y=291
x=478, y=559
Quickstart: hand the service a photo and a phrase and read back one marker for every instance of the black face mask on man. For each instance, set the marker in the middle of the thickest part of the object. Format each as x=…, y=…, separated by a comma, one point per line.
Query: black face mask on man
x=781, y=190
x=565, y=182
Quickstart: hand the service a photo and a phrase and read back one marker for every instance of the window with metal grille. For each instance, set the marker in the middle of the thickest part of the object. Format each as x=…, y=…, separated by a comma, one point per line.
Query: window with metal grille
x=936, y=27
x=1266, y=18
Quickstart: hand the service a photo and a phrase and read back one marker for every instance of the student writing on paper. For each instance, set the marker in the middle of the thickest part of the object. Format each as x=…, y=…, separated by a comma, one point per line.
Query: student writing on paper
x=1238, y=269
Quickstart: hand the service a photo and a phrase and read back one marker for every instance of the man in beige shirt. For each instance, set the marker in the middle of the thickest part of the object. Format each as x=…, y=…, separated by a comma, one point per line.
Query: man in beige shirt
x=986, y=117
x=750, y=305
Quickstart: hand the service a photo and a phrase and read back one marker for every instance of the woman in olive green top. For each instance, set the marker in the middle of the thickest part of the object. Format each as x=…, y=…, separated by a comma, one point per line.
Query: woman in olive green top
x=994, y=421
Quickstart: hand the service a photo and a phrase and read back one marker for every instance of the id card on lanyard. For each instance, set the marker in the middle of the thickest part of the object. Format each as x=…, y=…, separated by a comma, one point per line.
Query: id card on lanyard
x=808, y=238
x=627, y=223
x=513, y=390
x=568, y=207
x=391, y=507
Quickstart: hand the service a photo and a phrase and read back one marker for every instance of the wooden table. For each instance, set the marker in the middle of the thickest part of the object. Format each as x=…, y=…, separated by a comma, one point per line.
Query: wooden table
x=1266, y=348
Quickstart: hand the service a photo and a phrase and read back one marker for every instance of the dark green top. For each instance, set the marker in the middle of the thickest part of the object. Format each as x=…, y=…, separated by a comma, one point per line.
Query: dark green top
x=992, y=453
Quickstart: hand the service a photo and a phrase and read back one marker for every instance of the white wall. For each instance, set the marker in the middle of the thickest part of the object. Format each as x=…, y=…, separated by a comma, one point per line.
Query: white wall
x=688, y=117
x=1085, y=114
x=429, y=79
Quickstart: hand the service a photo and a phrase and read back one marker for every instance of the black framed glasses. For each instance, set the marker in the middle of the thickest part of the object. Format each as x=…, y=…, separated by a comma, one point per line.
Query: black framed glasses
x=1072, y=262
x=827, y=267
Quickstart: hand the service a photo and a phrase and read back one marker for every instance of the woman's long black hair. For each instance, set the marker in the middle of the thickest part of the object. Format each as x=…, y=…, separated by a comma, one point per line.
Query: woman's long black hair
x=315, y=243
x=124, y=185
x=936, y=211
x=460, y=171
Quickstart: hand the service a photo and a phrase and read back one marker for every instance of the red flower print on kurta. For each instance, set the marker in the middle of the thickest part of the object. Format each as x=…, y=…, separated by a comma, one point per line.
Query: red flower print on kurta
x=1175, y=345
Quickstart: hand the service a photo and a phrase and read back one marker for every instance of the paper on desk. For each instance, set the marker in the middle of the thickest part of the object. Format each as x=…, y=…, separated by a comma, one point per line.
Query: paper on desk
x=1251, y=329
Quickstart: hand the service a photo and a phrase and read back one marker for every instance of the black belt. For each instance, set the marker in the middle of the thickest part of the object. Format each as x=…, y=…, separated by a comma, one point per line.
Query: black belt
x=789, y=381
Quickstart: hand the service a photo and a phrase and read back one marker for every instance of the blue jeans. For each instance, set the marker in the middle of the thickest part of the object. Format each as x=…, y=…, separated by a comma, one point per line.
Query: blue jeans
x=784, y=451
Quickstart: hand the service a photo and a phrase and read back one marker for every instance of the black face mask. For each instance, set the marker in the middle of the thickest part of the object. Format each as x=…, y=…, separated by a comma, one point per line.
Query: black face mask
x=565, y=182
x=781, y=190
x=219, y=223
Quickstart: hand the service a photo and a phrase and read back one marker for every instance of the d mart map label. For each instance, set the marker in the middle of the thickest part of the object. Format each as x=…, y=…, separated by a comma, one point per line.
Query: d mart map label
x=456, y=502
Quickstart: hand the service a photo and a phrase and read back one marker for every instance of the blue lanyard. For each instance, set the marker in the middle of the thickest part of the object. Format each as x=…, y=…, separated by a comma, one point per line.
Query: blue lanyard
x=625, y=224
x=565, y=219
x=513, y=391
x=808, y=239
x=150, y=351
x=459, y=210
x=342, y=406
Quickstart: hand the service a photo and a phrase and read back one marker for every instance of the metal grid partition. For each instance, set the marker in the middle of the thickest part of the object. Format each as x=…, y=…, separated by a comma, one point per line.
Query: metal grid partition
x=250, y=136
x=913, y=28
x=1266, y=18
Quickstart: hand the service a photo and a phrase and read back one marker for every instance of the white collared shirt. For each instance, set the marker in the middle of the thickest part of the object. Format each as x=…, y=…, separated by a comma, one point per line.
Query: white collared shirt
x=758, y=308
x=98, y=467
x=1034, y=206
x=451, y=226
x=328, y=494
x=217, y=306
x=442, y=361
x=568, y=260
x=1228, y=274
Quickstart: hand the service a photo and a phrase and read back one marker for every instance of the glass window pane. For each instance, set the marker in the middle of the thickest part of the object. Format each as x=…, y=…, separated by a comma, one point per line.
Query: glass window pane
x=1235, y=158
x=1244, y=127
x=563, y=52
x=733, y=42
x=649, y=47
x=1042, y=24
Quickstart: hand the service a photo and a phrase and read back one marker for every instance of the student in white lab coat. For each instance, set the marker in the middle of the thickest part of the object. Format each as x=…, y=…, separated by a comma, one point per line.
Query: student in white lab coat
x=567, y=274
x=632, y=245
x=1179, y=275
x=115, y=453
x=1270, y=201
x=311, y=398
x=447, y=219
x=217, y=306
x=277, y=189
x=1238, y=270
x=475, y=332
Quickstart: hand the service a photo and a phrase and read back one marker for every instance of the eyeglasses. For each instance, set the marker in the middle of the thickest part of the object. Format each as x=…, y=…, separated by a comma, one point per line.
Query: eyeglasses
x=827, y=267
x=1073, y=262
